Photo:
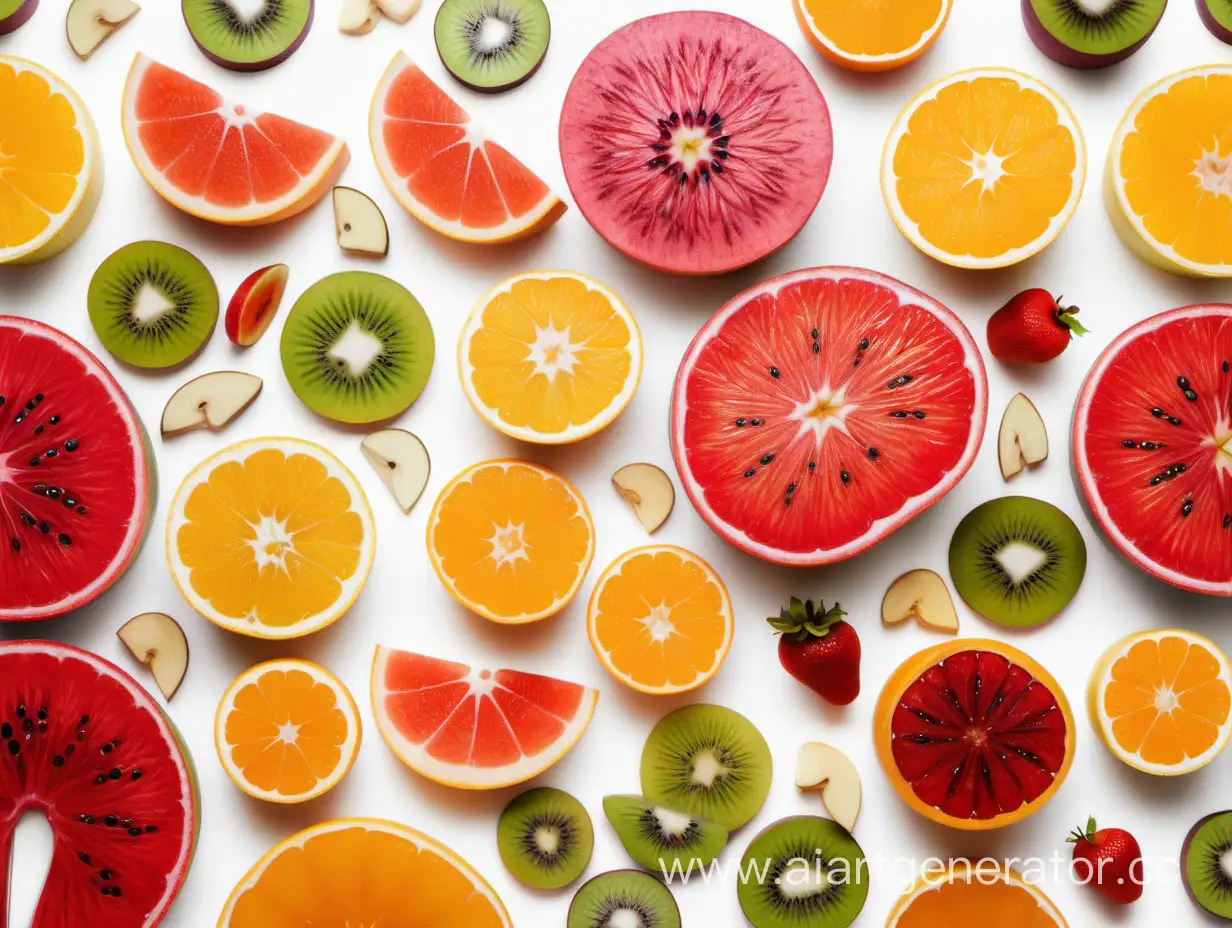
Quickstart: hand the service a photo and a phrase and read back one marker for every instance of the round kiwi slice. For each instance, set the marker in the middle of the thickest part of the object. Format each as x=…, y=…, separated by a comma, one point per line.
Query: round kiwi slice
x=545, y=838
x=663, y=840
x=152, y=304
x=1017, y=561
x=492, y=45
x=803, y=872
x=623, y=899
x=1206, y=864
x=248, y=36
x=357, y=347
x=707, y=761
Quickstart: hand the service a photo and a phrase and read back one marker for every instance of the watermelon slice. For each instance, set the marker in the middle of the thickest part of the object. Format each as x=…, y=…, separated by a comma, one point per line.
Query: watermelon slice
x=818, y=412
x=76, y=474
x=87, y=747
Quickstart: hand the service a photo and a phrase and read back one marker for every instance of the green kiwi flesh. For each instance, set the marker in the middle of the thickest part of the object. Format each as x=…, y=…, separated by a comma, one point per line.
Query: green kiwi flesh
x=1206, y=864
x=233, y=36
x=545, y=838
x=1017, y=561
x=623, y=899
x=663, y=840
x=708, y=762
x=152, y=304
x=803, y=872
x=492, y=45
x=357, y=347
x=1091, y=33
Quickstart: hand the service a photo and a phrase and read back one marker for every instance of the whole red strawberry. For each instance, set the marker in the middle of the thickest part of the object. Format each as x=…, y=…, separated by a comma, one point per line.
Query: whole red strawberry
x=1032, y=328
x=1110, y=860
x=820, y=650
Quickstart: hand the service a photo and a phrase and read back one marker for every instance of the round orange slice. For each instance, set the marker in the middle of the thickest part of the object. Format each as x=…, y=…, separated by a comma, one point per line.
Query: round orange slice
x=1162, y=701
x=287, y=731
x=660, y=620
x=879, y=36
x=974, y=894
x=511, y=540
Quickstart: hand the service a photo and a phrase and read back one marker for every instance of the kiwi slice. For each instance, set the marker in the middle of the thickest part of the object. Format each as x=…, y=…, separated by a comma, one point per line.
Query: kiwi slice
x=492, y=45
x=545, y=838
x=248, y=36
x=663, y=840
x=152, y=304
x=1017, y=561
x=803, y=872
x=357, y=347
x=1206, y=864
x=623, y=899
x=1091, y=33
x=707, y=761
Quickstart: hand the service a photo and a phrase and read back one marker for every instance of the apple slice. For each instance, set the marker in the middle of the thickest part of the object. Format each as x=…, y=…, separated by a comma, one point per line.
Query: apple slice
x=1023, y=440
x=158, y=642
x=828, y=770
x=358, y=17
x=921, y=595
x=17, y=16
x=400, y=11
x=255, y=303
x=209, y=401
x=360, y=223
x=402, y=461
x=91, y=22
x=648, y=490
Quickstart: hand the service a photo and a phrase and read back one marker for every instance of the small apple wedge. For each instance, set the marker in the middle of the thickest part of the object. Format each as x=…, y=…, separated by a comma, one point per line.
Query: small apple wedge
x=921, y=595
x=158, y=642
x=91, y=22
x=828, y=770
x=402, y=461
x=400, y=11
x=255, y=303
x=360, y=223
x=15, y=15
x=209, y=401
x=1023, y=440
x=358, y=17
x=649, y=491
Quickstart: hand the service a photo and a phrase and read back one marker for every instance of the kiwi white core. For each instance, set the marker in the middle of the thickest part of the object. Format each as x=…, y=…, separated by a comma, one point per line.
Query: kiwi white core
x=625, y=918
x=1225, y=863
x=547, y=839
x=802, y=879
x=1019, y=560
x=248, y=10
x=707, y=769
x=150, y=304
x=493, y=34
x=670, y=821
x=356, y=349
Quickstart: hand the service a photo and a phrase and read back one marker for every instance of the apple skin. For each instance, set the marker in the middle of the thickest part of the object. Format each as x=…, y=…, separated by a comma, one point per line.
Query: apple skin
x=255, y=304
x=1216, y=28
x=18, y=19
x=267, y=63
x=1068, y=57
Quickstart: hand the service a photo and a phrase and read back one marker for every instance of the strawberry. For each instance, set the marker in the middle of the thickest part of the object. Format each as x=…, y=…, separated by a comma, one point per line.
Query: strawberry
x=1032, y=328
x=820, y=650
x=1110, y=860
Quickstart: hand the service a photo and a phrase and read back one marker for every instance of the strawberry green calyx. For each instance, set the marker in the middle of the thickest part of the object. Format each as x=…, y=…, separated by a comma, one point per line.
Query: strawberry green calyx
x=802, y=620
x=1066, y=315
x=1077, y=836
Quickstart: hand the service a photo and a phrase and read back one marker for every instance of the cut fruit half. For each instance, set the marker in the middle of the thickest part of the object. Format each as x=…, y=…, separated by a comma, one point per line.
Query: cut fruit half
x=648, y=491
x=1217, y=17
x=90, y=23
x=243, y=36
x=492, y=47
x=158, y=642
x=977, y=894
x=209, y=401
x=865, y=36
x=475, y=728
x=1091, y=33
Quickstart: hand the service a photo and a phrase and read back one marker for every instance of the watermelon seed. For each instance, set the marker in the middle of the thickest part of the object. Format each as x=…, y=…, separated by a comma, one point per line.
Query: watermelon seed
x=45, y=527
x=6, y=731
x=1, y=400
x=42, y=727
x=150, y=829
x=126, y=822
x=38, y=429
x=756, y=421
x=775, y=373
x=100, y=780
x=919, y=414
x=83, y=857
x=69, y=749
x=767, y=458
x=791, y=491
x=844, y=476
x=69, y=502
x=134, y=832
x=34, y=462
x=58, y=760
x=901, y=381
x=1226, y=367
x=105, y=874
x=21, y=710
x=873, y=454
x=50, y=453
x=85, y=720
x=106, y=749
x=81, y=510
x=1186, y=508
x=14, y=748
x=54, y=420
x=53, y=492
x=65, y=540
x=111, y=821
x=114, y=773
x=137, y=774
x=812, y=466
x=1227, y=520
x=113, y=891
x=749, y=473
x=72, y=445
x=42, y=713
x=86, y=819
x=27, y=724
x=740, y=423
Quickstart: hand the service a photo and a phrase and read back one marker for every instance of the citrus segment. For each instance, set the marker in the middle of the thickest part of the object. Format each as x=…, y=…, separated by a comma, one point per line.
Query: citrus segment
x=872, y=35
x=967, y=894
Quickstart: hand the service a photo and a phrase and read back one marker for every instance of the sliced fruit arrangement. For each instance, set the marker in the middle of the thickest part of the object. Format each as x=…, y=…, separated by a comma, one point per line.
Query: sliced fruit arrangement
x=982, y=894
x=77, y=475
x=1033, y=327
x=1161, y=701
x=1110, y=860
x=1152, y=442
x=545, y=838
x=821, y=410
x=53, y=172
x=286, y=886
x=689, y=167
x=15, y=13
x=974, y=734
x=819, y=649
x=660, y=620
x=210, y=401
x=221, y=161
x=550, y=357
x=401, y=461
x=89, y=750
x=1217, y=17
x=90, y=23
x=360, y=224
x=1206, y=864
x=247, y=37
x=623, y=897
x=1091, y=33
x=271, y=538
x=984, y=168
x=831, y=773
x=158, y=642
x=648, y=491
x=445, y=171
x=921, y=595
x=489, y=46
x=511, y=541
x=861, y=36
x=255, y=303
x=1022, y=440
x=475, y=728
x=662, y=840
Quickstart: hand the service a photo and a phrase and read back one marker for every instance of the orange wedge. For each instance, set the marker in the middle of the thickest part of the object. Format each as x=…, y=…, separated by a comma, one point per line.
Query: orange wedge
x=872, y=35
x=974, y=894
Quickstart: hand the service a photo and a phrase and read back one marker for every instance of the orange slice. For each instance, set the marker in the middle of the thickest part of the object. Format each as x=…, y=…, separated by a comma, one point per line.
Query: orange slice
x=271, y=538
x=51, y=164
x=287, y=731
x=475, y=728
x=445, y=171
x=984, y=168
x=511, y=541
x=550, y=357
x=660, y=620
x=1162, y=701
x=974, y=894
x=360, y=871
x=223, y=161
x=872, y=35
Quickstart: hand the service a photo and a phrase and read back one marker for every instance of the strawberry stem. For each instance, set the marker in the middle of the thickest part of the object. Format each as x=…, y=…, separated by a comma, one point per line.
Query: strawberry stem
x=801, y=620
x=1066, y=317
x=1077, y=836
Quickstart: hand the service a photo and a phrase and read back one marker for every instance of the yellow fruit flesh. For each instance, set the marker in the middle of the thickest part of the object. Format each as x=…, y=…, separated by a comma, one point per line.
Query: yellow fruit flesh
x=873, y=27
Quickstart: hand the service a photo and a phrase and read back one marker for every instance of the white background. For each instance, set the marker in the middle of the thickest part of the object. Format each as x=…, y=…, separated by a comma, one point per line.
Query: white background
x=328, y=83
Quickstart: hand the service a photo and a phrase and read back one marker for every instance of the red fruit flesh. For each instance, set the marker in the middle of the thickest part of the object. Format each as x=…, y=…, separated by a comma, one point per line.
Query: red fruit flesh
x=806, y=449
x=76, y=476
x=122, y=845
x=1152, y=456
x=978, y=737
x=694, y=142
x=255, y=304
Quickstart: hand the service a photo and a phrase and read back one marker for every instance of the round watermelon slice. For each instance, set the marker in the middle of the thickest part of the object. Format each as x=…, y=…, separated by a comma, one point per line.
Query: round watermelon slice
x=818, y=412
x=1153, y=446
x=87, y=747
x=76, y=475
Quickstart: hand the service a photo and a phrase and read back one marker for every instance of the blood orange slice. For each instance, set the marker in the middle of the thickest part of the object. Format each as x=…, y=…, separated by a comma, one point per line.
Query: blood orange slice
x=223, y=161
x=821, y=410
x=475, y=729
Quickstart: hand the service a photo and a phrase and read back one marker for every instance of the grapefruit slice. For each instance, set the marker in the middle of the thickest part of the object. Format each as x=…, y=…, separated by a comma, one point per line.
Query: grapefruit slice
x=880, y=36
x=475, y=729
x=223, y=161
x=818, y=412
x=980, y=894
x=445, y=171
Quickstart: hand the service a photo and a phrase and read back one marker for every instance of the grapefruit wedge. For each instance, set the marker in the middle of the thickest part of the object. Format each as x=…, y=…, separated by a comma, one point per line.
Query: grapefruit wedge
x=223, y=161
x=475, y=728
x=444, y=171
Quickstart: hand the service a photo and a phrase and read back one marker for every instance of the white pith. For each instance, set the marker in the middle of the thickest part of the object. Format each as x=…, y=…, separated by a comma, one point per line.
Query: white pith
x=933, y=881
x=670, y=821
x=801, y=880
x=355, y=349
x=1019, y=560
x=924, y=41
x=150, y=304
